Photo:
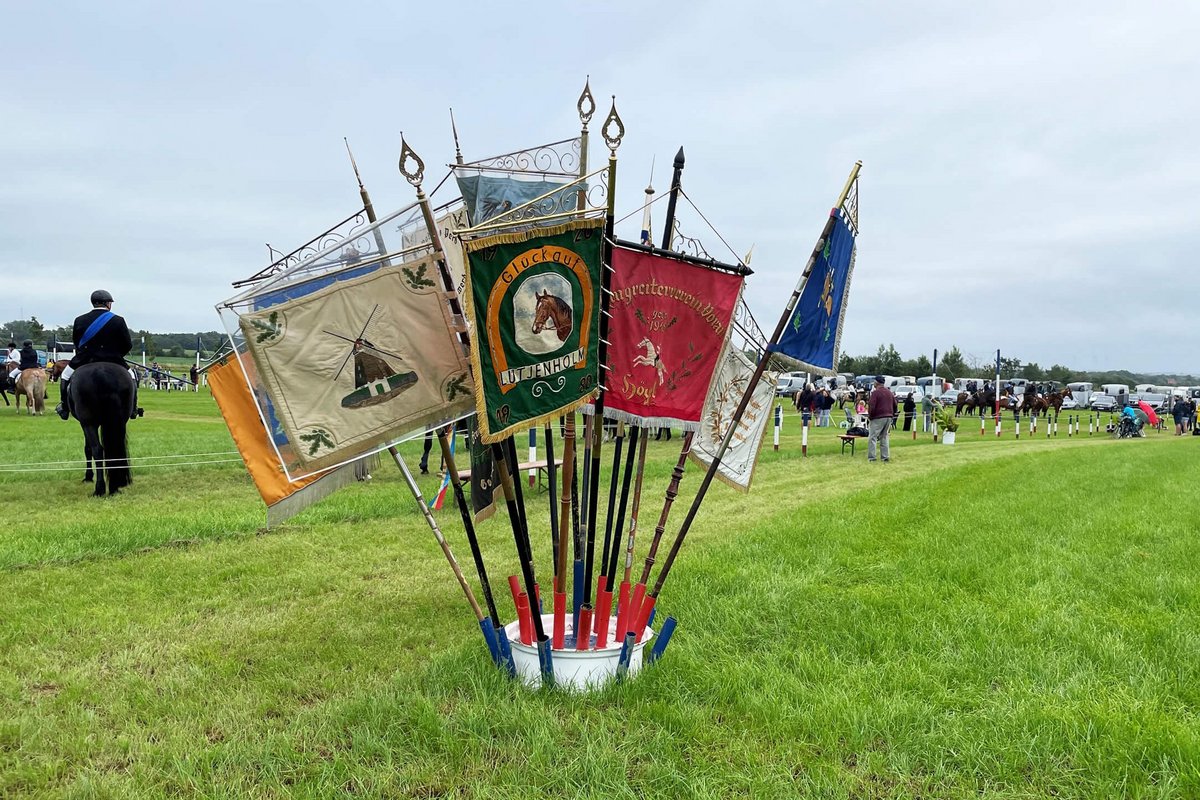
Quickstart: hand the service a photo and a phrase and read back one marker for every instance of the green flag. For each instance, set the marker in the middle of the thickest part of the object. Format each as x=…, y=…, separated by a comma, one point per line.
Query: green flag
x=534, y=303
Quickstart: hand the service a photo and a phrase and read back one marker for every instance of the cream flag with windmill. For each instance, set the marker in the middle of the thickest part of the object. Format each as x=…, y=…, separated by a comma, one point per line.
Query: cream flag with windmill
x=361, y=363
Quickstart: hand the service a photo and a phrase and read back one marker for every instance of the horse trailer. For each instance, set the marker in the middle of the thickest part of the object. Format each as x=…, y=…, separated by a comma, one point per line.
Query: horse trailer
x=1082, y=392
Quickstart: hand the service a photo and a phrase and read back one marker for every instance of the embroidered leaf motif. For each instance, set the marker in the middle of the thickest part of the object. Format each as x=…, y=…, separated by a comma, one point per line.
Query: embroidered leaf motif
x=456, y=387
x=417, y=279
x=270, y=329
x=316, y=440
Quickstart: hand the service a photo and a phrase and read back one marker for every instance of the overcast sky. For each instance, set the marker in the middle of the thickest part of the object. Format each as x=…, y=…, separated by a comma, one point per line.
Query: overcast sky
x=1030, y=180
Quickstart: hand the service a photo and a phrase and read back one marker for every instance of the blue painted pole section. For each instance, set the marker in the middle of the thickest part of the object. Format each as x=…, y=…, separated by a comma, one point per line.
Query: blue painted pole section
x=506, y=652
x=664, y=637
x=577, y=596
x=547, y=663
x=489, y=633
x=626, y=653
x=650, y=619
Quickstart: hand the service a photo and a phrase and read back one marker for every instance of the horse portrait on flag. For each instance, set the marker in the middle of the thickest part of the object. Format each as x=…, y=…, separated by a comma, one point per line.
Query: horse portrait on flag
x=534, y=303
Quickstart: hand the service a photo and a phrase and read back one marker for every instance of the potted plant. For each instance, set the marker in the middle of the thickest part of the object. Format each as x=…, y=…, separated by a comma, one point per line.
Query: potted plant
x=944, y=417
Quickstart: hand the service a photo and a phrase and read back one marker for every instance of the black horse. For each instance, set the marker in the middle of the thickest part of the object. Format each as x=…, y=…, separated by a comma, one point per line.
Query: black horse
x=102, y=398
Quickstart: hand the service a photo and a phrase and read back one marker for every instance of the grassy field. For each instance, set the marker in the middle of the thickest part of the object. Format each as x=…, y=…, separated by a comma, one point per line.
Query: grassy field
x=999, y=618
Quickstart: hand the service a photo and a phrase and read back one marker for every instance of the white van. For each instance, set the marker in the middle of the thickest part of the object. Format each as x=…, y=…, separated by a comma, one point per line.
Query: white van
x=1142, y=388
x=892, y=381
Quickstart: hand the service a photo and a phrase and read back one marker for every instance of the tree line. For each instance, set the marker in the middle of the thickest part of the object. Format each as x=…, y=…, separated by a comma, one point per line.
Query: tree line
x=164, y=345
x=886, y=361
x=954, y=364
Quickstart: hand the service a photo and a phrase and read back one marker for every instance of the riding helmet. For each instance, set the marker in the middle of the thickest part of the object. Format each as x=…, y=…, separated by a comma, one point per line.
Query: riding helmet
x=100, y=297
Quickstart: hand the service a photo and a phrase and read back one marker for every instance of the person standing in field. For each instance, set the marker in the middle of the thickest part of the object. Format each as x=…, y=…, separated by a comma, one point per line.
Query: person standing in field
x=880, y=409
x=1180, y=412
x=910, y=411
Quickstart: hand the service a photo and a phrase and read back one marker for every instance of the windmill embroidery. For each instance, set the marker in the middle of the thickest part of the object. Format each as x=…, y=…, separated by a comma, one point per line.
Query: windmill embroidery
x=375, y=380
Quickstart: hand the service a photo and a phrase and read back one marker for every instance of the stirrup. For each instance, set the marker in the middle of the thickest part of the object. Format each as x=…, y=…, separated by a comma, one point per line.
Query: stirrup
x=62, y=411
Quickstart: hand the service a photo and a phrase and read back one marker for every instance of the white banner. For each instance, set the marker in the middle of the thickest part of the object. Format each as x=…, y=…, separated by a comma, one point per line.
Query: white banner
x=360, y=362
x=724, y=395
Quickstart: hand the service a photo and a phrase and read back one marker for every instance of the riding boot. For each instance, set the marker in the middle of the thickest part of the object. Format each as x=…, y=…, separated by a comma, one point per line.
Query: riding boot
x=137, y=412
x=63, y=409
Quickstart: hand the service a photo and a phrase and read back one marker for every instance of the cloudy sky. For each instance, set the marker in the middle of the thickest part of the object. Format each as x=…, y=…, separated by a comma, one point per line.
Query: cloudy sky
x=1030, y=180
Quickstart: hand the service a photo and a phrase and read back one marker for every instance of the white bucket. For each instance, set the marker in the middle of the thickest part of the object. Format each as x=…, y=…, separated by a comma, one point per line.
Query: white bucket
x=948, y=437
x=573, y=669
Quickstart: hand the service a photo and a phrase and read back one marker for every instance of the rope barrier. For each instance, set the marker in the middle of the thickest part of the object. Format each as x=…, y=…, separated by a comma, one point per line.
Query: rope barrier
x=132, y=460
x=139, y=466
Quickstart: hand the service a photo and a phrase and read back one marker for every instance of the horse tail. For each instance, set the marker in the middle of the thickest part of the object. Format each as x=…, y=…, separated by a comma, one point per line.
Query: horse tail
x=116, y=453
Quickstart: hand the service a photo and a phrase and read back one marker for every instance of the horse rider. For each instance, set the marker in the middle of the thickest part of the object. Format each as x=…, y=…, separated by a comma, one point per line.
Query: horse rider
x=11, y=360
x=26, y=359
x=99, y=336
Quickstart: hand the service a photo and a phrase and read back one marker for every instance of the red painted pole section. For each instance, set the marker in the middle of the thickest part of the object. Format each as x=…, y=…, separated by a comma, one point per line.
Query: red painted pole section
x=583, y=636
x=560, y=620
x=524, y=618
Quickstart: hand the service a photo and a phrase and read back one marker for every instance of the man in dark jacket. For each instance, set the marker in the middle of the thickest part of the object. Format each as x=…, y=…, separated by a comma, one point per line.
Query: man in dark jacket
x=99, y=336
x=881, y=407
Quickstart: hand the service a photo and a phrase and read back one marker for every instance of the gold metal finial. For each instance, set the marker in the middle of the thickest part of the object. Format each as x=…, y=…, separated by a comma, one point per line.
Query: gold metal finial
x=613, y=130
x=586, y=104
x=353, y=163
x=458, y=159
x=411, y=165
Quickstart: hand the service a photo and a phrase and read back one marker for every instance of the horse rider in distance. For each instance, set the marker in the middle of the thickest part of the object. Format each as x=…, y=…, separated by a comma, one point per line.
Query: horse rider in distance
x=99, y=335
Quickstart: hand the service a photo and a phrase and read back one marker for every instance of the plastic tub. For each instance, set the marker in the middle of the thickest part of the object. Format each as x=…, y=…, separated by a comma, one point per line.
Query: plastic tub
x=574, y=669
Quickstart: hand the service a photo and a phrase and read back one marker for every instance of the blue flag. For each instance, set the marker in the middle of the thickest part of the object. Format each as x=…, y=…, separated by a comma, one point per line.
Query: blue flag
x=813, y=334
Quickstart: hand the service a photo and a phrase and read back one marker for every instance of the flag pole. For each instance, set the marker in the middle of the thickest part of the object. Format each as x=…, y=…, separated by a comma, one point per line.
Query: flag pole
x=686, y=445
x=413, y=169
x=613, y=131
x=652, y=597
x=586, y=107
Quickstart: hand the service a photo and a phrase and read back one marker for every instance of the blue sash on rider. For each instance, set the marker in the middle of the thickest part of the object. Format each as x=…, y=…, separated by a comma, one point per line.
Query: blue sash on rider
x=98, y=323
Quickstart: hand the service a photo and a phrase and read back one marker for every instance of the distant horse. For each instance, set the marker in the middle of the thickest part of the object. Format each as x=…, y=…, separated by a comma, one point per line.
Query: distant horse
x=1055, y=400
x=102, y=400
x=31, y=384
x=981, y=401
x=961, y=401
x=552, y=312
x=55, y=369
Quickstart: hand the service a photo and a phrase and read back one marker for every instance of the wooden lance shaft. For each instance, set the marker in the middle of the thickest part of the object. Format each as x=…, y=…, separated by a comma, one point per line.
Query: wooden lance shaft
x=564, y=512
x=601, y=361
x=672, y=493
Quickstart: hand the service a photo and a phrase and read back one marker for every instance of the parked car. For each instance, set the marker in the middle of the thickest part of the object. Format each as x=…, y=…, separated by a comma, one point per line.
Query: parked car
x=1104, y=402
x=1157, y=401
x=1069, y=404
x=902, y=393
x=788, y=385
x=950, y=396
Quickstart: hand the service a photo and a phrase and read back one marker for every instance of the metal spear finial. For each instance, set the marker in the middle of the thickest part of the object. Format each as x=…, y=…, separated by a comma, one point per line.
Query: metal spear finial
x=458, y=159
x=353, y=164
x=411, y=166
x=614, y=129
x=587, y=104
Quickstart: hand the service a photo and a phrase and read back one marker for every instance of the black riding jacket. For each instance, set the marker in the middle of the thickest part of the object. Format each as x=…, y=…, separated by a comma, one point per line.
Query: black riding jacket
x=28, y=358
x=111, y=343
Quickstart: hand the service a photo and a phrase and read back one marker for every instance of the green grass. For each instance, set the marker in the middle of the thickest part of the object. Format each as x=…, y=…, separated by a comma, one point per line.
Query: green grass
x=999, y=618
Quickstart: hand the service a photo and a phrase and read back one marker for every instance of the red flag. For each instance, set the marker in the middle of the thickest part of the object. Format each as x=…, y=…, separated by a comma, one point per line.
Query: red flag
x=670, y=320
